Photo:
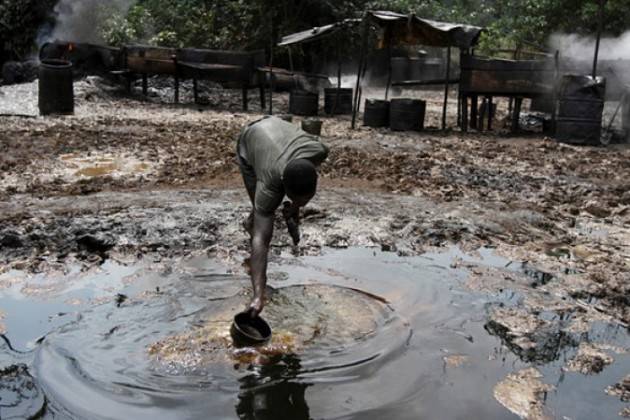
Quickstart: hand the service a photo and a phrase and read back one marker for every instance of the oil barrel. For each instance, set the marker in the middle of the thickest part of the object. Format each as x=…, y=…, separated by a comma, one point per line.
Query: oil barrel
x=343, y=106
x=407, y=114
x=56, y=91
x=376, y=113
x=542, y=103
x=399, y=69
x=416, y=68
x=580, y=108
x=304, y=103
x=434, y=69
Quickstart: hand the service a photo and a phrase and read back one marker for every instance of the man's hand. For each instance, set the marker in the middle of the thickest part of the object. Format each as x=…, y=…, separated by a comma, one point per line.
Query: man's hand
x=256, y=306
x=291, y=215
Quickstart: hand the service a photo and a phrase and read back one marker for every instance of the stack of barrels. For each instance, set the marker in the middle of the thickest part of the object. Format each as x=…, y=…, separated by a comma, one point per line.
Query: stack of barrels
x=398, y=114
x=337, y=101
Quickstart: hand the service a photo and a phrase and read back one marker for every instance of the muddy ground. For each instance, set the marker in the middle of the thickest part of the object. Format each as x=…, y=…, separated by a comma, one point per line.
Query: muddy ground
x=133, y=178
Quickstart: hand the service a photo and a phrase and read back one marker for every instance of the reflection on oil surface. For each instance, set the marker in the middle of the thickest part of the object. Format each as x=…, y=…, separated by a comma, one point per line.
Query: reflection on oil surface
x=359, y=334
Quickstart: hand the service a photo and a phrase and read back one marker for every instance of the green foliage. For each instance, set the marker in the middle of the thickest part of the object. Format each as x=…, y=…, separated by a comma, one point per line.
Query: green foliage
x=248, y=24
x=19, y=23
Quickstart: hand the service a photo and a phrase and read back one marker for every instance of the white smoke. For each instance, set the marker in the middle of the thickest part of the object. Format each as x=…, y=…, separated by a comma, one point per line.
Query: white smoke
x=582, y=48
x=82, y=20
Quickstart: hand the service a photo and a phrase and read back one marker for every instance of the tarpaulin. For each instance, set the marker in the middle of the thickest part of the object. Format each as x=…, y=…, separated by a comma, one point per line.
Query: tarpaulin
x=410, y=29
x=317, y=32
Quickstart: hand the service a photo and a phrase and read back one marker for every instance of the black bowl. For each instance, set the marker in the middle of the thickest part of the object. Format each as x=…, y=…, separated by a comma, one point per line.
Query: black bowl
x=249, y=331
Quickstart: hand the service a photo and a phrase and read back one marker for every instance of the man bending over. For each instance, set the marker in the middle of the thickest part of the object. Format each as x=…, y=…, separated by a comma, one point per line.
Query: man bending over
x=276, y=158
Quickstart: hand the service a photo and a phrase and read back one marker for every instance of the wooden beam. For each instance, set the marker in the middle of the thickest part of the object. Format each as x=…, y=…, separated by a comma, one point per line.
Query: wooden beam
x=446, y=77
x=355, y=107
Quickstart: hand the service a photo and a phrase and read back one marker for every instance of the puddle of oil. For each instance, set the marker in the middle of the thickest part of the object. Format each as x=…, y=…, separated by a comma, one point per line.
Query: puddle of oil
x=97, y=365
x=101, y=169
x=35, y=304
x=103, y=165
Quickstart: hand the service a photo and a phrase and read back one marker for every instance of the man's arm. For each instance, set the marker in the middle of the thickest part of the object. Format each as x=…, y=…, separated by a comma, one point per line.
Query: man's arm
x=261, y=238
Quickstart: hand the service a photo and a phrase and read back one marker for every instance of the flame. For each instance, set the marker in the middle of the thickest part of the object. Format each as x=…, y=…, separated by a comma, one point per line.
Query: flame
x=70, y=47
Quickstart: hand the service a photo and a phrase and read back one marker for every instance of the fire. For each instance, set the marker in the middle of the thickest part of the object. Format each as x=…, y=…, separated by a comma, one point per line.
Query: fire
x=70, y=47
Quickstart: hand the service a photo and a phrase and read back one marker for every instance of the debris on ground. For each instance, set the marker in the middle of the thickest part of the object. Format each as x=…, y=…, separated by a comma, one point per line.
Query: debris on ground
x=589, y=360
x=524, y=394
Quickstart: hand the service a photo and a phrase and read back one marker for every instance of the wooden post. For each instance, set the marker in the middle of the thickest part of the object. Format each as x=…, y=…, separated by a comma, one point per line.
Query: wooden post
x=271, y=84
x=474, y=102
x=176, y=99
x=336, y=105
x=245, y=98
x=464, y=113
x=459, y=109
x=261, y=88
x=554, y=91
x=195, y=90
x=600, y=24
x=290, y=58
x=516, y=113
x=490, y=114
x=389, y=69
x=479, y=119
x=355, y=107
x=145, y=84
x=446, y=78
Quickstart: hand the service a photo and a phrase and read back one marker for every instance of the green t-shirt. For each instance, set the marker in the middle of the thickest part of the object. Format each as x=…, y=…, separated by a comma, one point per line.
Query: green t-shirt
x=267, y=146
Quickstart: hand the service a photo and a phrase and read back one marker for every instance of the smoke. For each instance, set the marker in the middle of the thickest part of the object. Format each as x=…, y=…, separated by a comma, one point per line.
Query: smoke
x=82, y=20
x=577, y=52
x=582, y=48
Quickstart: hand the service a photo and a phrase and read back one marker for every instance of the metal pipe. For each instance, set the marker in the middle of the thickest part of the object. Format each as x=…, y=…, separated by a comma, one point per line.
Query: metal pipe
x=600, y=24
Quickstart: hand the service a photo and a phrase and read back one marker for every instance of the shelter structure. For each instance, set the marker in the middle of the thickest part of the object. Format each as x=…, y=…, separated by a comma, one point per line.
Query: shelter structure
x=400, y=29
x=317, y=34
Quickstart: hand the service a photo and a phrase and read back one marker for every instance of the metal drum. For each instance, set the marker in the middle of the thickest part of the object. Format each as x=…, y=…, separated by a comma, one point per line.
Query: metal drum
x=400, y=69
x=344, y=103
x=416, y=68
x=376, y=113
x=56, y=91
x=542, y=103
x=434, y=69
x=407, y=114
x=580, y=108
x=303, y=103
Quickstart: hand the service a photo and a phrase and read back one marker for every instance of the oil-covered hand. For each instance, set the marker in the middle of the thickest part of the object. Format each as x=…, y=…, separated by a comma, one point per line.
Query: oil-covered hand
x=256, y=306
x=291, y=215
